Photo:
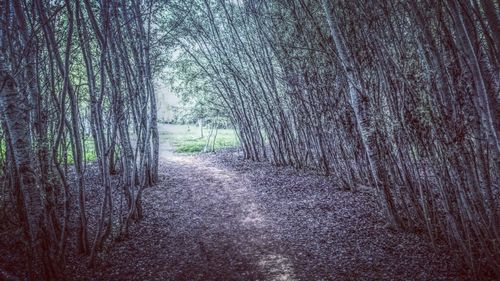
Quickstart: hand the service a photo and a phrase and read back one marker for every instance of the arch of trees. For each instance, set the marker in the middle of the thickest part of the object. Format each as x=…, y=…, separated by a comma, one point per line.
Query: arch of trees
x=76, y=83
x=398, y=95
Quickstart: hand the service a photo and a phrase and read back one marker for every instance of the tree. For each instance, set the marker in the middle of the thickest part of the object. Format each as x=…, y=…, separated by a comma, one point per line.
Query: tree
x=371, y=92
x=44, y=92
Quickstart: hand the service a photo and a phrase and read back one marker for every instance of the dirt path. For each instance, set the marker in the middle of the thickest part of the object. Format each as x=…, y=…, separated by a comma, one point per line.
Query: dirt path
x=222, y=218
x=219, y=217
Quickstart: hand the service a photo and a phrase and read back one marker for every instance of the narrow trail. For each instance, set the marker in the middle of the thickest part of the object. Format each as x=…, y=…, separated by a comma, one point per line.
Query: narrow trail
x=227, y=237
x=217, y=217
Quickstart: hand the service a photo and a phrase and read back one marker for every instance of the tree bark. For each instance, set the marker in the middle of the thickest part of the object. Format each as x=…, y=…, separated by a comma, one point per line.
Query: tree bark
x=354, y=100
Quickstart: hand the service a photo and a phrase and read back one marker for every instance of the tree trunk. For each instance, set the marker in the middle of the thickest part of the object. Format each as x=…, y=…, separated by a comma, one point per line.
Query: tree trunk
x=16, y=115
x=354, y=100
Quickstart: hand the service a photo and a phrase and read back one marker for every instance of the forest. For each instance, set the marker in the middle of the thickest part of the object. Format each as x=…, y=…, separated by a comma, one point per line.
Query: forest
x=390, y=102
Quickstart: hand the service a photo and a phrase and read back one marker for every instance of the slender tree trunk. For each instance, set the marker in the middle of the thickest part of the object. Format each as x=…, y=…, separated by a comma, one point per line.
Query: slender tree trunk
x=485, y=108
x=16, y=115
x=354, y=99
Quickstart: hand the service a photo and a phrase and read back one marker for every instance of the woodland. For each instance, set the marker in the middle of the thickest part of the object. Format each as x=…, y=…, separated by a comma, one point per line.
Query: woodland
x=396, y=100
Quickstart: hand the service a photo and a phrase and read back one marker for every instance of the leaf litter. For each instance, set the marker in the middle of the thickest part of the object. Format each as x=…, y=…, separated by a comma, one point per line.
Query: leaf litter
x=219, y=217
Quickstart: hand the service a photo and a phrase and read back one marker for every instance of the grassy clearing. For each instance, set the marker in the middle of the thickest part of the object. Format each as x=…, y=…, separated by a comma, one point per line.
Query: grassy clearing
x=187, y=138
x=184, y=139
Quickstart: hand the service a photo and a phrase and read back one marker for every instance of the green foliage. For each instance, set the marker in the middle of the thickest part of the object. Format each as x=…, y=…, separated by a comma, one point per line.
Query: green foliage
x=89, y=153
x=186, y=138
x=198, y=96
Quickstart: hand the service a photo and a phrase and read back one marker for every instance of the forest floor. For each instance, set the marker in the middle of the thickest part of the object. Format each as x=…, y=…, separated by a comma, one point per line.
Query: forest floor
x=219, y=217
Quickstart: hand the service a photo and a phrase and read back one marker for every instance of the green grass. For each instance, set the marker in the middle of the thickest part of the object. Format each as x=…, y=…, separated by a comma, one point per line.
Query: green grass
x=183, y=138
x=89, y=156
x=186, y=138
x=90, y=153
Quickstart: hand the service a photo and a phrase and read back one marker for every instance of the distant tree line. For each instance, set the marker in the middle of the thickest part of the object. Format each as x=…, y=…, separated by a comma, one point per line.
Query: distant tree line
x=401, y=96
x=74, y=76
